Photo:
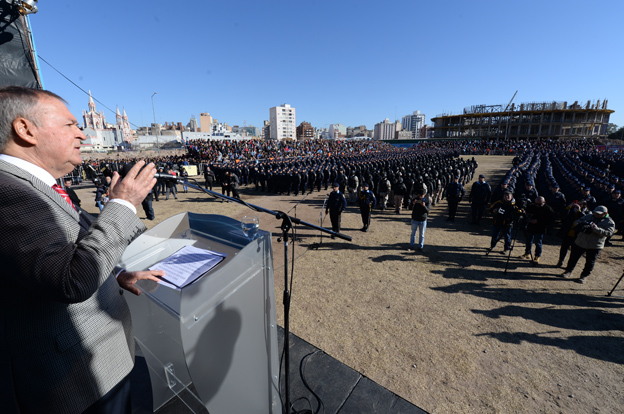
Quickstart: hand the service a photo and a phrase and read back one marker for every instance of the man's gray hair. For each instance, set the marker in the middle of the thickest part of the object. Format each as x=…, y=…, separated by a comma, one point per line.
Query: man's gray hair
x=18, y=101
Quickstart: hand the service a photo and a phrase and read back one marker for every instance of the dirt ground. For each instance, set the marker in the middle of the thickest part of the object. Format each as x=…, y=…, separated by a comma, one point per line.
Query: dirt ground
x=447, y=329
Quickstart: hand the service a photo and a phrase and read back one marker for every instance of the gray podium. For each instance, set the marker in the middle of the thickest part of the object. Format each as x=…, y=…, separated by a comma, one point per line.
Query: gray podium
x=212, y=343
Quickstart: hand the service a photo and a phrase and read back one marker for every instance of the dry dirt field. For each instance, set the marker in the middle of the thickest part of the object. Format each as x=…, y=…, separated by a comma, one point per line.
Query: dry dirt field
x=448, y=329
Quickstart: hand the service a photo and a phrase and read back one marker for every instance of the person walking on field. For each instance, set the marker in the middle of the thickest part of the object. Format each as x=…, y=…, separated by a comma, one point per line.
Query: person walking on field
x=420, y=210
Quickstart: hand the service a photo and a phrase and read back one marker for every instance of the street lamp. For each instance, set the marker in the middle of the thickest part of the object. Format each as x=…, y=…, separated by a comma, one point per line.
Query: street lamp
x=154, y=111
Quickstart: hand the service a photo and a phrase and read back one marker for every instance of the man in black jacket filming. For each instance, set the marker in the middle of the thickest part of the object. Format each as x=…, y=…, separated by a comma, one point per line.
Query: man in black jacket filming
x=504, y=212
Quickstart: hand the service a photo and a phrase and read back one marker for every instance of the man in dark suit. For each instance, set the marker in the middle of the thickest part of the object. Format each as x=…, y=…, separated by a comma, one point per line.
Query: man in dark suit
x=70, y=191
x=66, y=342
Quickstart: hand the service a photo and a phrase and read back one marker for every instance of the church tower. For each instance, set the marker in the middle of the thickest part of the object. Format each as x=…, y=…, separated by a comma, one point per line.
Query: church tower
x=92, y=118
x=124, y=126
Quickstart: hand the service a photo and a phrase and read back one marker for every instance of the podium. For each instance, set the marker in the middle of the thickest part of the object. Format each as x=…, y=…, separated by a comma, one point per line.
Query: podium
x=212, y=343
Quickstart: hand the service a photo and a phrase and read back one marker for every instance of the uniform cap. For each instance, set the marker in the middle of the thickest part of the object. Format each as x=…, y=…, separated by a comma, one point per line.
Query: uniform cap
x=600, y=210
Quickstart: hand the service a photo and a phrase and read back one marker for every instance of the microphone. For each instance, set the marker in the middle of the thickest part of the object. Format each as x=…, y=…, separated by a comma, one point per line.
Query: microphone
x=168, y=176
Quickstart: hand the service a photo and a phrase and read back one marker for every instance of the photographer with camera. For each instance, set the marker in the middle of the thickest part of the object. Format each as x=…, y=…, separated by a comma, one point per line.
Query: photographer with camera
x=592, y=230
x=505, y=212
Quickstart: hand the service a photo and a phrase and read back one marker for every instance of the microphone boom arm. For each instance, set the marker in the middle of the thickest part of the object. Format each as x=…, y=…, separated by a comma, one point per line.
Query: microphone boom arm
x=277, y=214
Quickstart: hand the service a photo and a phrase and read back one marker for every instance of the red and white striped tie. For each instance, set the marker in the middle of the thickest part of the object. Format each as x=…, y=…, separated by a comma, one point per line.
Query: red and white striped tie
x=63, y=194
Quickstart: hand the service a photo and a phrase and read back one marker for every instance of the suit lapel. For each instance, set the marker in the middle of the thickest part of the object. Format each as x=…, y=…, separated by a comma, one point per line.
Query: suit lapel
x=44, y=189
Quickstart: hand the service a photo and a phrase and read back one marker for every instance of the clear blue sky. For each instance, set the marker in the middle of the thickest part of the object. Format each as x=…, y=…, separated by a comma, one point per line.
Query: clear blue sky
x=341, y=61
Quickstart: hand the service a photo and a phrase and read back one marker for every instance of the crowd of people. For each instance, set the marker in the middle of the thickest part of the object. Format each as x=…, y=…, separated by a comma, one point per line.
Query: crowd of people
x=550, y=181
x=554, y=189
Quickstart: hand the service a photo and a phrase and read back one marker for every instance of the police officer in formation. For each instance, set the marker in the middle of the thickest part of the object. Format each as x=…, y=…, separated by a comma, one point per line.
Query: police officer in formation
x=336, y=204
x=454, y=194
x=367, y=203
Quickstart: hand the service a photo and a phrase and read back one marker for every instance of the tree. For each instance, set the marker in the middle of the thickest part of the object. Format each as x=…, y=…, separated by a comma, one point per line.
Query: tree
x=611, y=128
x=619, y=134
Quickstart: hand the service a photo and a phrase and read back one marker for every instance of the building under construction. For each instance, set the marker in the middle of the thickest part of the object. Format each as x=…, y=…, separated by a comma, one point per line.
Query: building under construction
x=550, y=120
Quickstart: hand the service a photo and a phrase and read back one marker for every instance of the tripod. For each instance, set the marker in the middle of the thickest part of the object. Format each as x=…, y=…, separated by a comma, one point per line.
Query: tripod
x=618, y=282
x=516, y=227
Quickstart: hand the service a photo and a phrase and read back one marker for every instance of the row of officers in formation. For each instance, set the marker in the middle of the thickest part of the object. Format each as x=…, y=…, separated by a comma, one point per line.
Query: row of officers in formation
x=390, y=175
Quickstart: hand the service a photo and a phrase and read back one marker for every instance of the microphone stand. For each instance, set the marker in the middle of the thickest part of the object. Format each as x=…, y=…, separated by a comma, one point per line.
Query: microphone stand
x=295, y=208
x=316, y=245
x=287, y=225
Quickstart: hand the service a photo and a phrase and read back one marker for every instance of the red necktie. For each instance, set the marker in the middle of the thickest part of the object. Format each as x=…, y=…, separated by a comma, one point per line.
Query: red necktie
x=63, y=194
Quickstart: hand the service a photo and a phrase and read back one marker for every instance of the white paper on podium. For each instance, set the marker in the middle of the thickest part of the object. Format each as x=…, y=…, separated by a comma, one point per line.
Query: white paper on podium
x=187, y=265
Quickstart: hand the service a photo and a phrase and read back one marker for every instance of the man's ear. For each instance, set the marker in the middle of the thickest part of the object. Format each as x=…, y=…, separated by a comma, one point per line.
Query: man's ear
x=24, y=130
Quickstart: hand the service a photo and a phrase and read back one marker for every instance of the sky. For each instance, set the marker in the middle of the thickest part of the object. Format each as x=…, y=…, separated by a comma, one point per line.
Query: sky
x=341, y=61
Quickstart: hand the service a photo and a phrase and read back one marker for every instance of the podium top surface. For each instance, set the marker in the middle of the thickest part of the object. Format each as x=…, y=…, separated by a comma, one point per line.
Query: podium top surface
x=207, y=231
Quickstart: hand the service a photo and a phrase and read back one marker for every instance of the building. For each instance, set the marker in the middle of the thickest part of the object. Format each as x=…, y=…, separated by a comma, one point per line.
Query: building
x=359, y=131
x=246, y=131
x=283, y=122
x=552, y=120
x=192, y=125
x=403, y=134
x=337, y=131
x=102, y=135
x=414, y=123
x=305, y=131
x=205, y=122
x=266, y=130
x=386, y=130
x=102, y=139
x=321, y=133
x=92, y=118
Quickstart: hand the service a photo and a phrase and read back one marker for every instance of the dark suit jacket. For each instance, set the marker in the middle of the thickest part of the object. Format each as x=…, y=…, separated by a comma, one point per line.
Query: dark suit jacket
x=65, y=332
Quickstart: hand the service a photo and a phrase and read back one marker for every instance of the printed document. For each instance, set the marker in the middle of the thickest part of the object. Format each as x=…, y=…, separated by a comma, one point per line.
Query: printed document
x=186, y=265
